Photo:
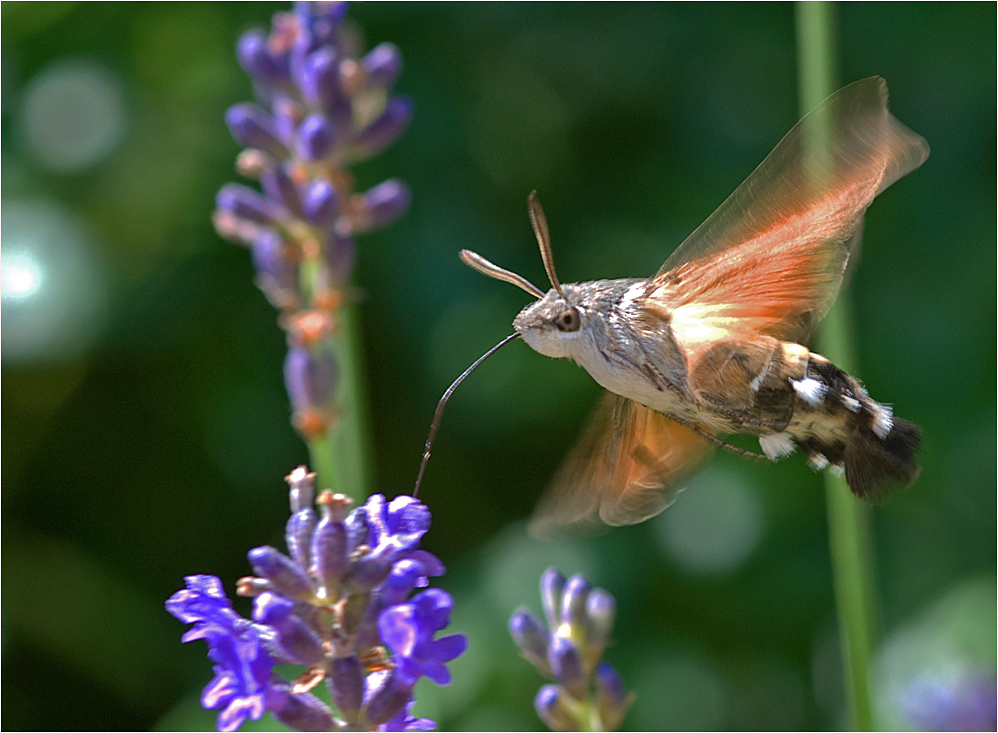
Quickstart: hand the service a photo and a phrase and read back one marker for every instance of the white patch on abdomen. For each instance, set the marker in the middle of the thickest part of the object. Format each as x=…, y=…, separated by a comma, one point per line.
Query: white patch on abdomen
x=777, y=445
x=810, y=390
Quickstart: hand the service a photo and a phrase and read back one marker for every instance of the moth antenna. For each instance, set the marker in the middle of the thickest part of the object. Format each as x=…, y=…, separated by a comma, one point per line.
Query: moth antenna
x=435, y=425
x=477, y=262
x=540, y=224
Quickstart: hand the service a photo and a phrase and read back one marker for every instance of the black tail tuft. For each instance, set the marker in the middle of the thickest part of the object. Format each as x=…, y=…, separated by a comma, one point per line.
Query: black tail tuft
x=876, y=467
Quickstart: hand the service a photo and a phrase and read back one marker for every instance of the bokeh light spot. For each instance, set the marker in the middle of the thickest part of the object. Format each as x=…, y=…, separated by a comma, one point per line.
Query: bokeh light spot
x=53, y=289
x=73, y=115
x=689, y=693
x=714, y=525
x=20, y=276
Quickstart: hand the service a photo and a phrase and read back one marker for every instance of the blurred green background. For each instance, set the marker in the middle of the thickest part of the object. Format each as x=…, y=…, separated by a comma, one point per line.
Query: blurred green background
x=145, y=425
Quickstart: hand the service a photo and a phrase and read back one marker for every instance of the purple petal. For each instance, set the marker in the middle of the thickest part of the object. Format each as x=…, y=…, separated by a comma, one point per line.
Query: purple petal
x=298, y=535
x=384, y=204
x=346, y=685
x=382, y=65
x=321, y=203
x=309, y=377
x=387, y=128
x=329, y=551
x=286, y=577
x=272, y=261
x=573, y=601
x=315, y=138
x=255, y=57
x=254, y=128
x=301, y=711
x=247, y=204
x=280, y=186
x=552, y=585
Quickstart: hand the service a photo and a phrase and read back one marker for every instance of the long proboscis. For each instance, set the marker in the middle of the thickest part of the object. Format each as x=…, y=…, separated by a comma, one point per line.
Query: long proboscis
x=435, y=425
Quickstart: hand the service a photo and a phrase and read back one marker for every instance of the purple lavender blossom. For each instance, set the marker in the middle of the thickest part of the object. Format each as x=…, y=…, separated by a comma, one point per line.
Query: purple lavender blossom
x=965, y=700
x=587, y=692
x=319, y=110
x=243, y=665
x=332, y=605
x=408, y=629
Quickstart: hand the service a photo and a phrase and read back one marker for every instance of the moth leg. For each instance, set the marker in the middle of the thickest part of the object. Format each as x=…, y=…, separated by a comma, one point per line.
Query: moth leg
x=743, y=417
x=719, y=443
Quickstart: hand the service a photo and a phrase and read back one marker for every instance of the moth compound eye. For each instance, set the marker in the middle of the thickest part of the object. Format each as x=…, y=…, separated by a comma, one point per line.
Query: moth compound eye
x=568, y=320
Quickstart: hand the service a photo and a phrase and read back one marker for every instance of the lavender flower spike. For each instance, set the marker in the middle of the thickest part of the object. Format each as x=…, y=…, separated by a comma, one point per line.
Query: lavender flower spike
x=319, y=110
x=587, y=694
x=338, y=605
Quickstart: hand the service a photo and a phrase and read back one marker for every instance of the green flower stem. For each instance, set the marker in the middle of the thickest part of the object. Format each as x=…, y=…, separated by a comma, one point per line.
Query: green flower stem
x=848, y=520
x=341, y=457
x=350, y=443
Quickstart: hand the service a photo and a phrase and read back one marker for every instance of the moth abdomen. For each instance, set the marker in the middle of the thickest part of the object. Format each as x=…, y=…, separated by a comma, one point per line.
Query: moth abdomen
x=873, y=464
x=836, y=422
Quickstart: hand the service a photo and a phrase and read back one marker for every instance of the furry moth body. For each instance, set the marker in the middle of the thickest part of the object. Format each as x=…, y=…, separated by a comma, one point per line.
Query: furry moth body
x=712, y=343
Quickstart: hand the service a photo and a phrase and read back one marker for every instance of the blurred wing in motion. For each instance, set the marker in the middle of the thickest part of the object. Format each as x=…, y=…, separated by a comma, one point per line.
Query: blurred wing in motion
x=771, y=258
x=623, y=470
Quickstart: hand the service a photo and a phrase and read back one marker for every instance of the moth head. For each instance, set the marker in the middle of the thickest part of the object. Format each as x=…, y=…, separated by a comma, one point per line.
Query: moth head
x=552, y=324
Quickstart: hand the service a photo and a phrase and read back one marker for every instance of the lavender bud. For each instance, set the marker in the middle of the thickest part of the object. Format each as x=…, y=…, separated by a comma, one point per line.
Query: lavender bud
x=302, y=711
x=339, y=253
x=358, y=532
x=388, y=699
x=321, y=204
x=315, y=138
x=600, y=609
x=611, y=698
x=382, y=65
x=254, y=128
x=383, y=204
x=309, y=377
x=280, y=186
x=255, y=57
x=296, y=641
x=301, y=483
x=573, y=603
x=298, y=535
x=329, y=552
x=288, y=115
x=320, y=78
x=270, y=258
x=555, y=709
x=320, y=19
x=367, y=635
x=246, y=204
x=346, y=685
x=368, y=572
x=286, y=577
x=566, y=665
x=552, y=585
x=387, y=128
x=532, y=637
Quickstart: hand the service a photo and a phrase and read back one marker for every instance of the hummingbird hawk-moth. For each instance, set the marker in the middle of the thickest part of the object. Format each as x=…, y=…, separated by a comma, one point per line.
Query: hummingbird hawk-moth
x=712, y=344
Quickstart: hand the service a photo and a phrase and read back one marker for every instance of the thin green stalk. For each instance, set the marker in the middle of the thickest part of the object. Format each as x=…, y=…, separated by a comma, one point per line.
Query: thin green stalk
x=340, y=458
x=848, y=520
x=350, y=445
